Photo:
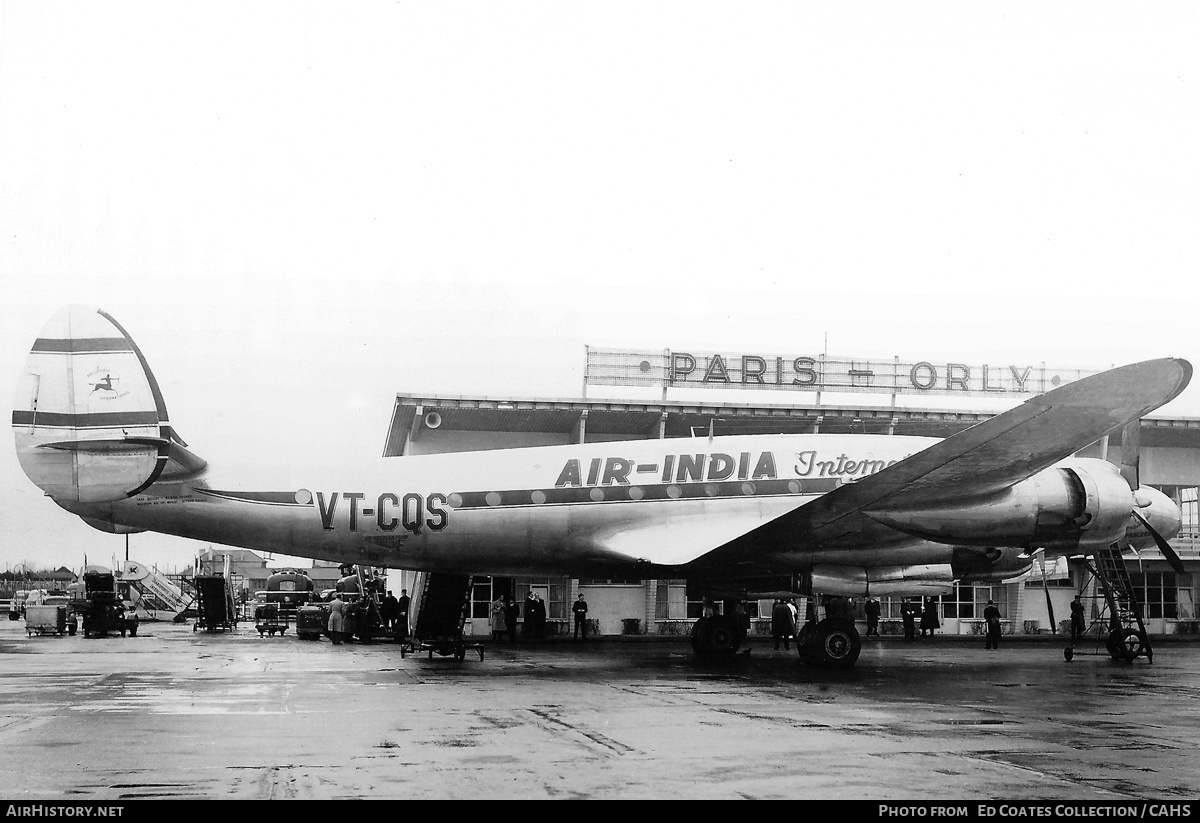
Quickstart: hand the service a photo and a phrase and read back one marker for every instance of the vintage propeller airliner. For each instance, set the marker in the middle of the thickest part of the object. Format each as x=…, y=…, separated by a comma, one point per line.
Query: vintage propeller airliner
x=831, y=514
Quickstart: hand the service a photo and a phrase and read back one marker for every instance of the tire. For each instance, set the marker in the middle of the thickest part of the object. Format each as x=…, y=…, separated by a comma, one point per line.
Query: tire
x=702, y=636
x=133, y=627
x=1068, y=653
x=1116, y=645
x=723, y=637
x=837, y=644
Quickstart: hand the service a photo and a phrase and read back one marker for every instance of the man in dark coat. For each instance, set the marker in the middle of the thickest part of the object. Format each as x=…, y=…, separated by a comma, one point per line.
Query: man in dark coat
x=872, y=609
x=580, y=609
x=402, y=615
x=991, y=618
x=539, y=617
x=908, y=611
x=530, y=627
x=1078, y=625
x=782, y=627
x=511, y=612
x=929, y=618
x=388, y=610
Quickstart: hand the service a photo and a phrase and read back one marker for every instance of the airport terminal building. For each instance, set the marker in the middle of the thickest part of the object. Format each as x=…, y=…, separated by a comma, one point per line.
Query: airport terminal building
x=776, y=394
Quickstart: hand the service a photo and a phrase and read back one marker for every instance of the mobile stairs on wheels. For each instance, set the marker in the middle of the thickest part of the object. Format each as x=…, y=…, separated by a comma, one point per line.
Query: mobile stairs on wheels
x=1118, y=626
x=441, y=603
x=215, y=609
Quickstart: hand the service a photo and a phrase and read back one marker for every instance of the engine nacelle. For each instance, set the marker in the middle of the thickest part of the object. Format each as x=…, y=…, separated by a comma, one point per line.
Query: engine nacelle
x=855, y=581
x=1078, y=505
x=990, y=565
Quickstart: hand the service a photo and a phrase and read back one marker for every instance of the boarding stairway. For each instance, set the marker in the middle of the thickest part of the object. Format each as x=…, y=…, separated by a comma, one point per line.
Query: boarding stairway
x=1120, y=621
x=441, y=603
x=153, y=596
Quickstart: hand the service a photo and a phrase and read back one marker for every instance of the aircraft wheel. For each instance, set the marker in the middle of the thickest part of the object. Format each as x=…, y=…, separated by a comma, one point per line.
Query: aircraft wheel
x=723, y=637
x=1068, y=653
x=1115, y=644
x=702, y=635
x=838, y=644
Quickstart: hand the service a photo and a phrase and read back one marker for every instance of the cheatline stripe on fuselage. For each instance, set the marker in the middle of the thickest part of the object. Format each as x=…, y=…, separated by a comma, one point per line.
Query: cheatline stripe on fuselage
x=634, y=493
x=516, y=498
x=77, y=345
x=25, y=417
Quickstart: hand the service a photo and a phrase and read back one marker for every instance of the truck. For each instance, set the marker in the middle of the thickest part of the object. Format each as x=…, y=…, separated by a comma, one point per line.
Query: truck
x=289, y=589
x=103, y=611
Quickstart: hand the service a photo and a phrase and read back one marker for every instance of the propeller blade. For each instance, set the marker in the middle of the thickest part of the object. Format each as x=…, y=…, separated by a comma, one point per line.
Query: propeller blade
x=1131, y=454
x=1049, y=604
x=1163, y=546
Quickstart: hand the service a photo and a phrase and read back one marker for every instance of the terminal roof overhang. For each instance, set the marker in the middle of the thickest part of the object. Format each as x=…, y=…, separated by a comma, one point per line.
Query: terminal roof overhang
x=611, y=419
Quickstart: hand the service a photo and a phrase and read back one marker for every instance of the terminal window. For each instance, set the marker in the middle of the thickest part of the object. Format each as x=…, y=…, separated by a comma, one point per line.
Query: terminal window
x=1165, y=594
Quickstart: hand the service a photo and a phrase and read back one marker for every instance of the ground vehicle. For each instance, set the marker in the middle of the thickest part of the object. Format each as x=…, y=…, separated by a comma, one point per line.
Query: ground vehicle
x=16, y=607
x=102, y=611
x=289, y=589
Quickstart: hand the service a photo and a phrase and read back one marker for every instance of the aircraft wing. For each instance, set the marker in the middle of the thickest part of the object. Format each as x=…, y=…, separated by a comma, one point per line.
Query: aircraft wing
x=985, y=458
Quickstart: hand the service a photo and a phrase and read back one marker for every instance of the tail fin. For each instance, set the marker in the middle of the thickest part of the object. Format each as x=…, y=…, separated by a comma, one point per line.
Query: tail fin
x=89, y=420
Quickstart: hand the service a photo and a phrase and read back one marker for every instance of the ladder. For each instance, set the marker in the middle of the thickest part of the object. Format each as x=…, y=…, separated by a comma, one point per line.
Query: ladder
x=1126, y=636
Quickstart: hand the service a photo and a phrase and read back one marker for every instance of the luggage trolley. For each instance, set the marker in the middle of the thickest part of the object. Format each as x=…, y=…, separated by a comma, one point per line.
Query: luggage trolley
x=269, y=619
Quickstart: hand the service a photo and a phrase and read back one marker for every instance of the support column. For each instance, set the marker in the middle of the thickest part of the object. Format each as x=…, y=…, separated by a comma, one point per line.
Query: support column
x=650, y=617
x=579, y=434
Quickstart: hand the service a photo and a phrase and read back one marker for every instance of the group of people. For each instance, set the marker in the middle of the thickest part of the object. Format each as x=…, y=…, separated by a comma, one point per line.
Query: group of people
x=347, y=617
x=393, y=611
x=926, y=609
x=505, y=612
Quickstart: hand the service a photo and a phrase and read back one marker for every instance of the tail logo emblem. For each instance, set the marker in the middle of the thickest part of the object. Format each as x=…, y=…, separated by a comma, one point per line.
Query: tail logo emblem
x=107, y=383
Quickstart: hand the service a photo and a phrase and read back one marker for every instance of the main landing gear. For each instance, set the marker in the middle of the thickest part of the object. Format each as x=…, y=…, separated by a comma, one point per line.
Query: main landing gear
x=833, y=643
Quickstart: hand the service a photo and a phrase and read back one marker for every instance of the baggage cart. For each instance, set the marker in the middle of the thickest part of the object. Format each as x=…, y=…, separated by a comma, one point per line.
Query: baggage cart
x=268, y=619
x=41, y=620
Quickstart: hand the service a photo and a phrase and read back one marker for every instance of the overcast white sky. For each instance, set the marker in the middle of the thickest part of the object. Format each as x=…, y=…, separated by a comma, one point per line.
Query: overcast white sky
x=300, y=209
